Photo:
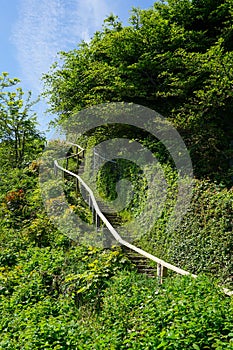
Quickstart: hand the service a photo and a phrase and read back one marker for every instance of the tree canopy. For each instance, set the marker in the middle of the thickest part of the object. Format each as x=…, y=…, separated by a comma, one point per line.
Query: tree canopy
x=175, y=58
x=20, y=141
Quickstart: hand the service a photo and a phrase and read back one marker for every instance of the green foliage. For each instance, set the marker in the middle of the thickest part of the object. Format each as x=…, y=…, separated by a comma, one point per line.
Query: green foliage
x=87, y=287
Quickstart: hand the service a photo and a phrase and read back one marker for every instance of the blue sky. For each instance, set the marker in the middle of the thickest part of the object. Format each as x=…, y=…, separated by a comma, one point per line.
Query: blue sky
x=33, y=31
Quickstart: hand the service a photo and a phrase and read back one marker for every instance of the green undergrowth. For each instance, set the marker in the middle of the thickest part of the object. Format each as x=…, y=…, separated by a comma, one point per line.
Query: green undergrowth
x=58, y=294
x=115, y=308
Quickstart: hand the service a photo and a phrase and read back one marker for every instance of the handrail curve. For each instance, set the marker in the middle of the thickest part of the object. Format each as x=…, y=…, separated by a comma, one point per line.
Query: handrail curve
x=162, y=265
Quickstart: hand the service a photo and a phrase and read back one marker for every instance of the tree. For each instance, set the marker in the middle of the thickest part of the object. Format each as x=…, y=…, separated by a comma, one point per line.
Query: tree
x=174, y=58
x=20, y=141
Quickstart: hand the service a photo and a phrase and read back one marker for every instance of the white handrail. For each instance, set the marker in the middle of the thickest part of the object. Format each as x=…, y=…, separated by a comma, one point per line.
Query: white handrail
x=116, y=234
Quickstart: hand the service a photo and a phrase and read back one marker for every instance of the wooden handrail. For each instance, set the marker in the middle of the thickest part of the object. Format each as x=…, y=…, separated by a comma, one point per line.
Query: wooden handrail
x=160, y=263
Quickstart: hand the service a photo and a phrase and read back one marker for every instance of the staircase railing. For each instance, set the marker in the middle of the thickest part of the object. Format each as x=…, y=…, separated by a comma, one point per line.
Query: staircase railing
x=162, y=266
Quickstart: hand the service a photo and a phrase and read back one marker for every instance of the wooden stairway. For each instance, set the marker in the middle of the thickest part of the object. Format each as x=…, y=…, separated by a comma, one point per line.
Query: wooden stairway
x=140, y=262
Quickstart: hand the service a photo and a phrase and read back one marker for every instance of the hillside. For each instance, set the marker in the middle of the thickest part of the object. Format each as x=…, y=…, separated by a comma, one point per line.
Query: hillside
x=60, y=288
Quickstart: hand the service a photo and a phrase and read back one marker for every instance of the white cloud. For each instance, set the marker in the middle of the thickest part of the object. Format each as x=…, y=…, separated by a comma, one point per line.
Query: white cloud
x=45, y=27
x=89, y=16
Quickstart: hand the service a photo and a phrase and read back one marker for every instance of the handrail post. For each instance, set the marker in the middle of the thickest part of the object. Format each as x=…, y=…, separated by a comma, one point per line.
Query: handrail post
x=97, y=221
x=161, y=272
x=77, y=160
x=76, y=185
